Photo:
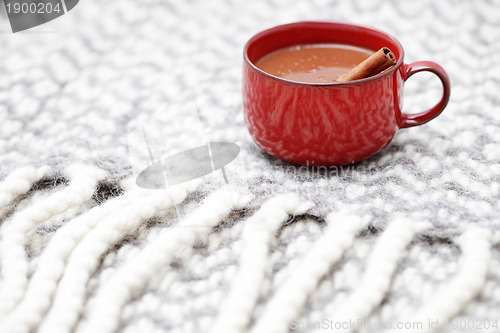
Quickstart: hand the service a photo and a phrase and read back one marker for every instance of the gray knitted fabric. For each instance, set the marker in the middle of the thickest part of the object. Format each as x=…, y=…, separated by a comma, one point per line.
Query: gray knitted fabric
x=406, y=238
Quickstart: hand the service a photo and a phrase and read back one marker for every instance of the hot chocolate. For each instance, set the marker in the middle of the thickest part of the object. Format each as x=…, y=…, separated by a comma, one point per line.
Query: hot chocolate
x=313, y=63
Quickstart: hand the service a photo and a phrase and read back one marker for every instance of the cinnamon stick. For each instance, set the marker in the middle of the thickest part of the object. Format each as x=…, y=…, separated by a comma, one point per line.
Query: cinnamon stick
x=376, y=63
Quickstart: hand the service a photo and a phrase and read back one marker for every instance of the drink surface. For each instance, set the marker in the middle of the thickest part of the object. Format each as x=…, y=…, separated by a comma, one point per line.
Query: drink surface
x=313, y=63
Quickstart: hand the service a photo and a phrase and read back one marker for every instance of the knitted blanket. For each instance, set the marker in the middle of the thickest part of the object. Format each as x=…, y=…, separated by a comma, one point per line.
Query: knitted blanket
x=407, y=240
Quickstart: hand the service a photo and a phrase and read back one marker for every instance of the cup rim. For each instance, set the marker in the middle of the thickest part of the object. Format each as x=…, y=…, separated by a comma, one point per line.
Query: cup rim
x=355, y=82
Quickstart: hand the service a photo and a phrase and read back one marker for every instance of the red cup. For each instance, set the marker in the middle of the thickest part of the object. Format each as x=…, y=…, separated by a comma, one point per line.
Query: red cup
x=329, y=123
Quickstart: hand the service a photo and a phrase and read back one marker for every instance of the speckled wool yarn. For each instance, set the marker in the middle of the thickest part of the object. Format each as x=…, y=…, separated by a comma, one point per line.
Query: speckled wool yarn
x=128, y=281
x=468, y=282
x=52, y=263
x=256, y=237
x=380, y=267
x=73, y=90
x=83, y=180
x=69, y=296
x=291, y=296
x=19, y=182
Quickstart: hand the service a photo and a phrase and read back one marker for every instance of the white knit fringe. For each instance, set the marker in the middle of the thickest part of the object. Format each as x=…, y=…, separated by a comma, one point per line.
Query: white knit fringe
x=19, y=182
x=380, y=267
x=129, y=280
x=15, y=265
x=259, y=230
x=292, y=296
x=84, y=260
x=465, y=285
x=76, y=248
x=30, y=311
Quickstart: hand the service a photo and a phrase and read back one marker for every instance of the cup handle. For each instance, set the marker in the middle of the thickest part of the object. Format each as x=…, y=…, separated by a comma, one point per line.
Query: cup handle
x=415, y=119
